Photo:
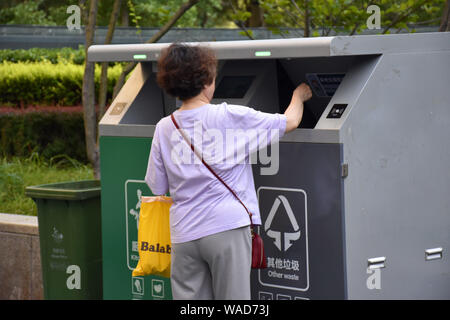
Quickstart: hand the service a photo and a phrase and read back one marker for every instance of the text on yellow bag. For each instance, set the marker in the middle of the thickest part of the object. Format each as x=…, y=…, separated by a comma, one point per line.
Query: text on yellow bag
x=154, y=237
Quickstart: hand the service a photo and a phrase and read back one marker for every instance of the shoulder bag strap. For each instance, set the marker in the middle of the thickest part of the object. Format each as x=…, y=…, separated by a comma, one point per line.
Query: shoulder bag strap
x=209, y=168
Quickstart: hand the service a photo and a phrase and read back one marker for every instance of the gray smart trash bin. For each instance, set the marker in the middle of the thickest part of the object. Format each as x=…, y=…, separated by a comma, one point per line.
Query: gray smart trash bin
x=359, y=196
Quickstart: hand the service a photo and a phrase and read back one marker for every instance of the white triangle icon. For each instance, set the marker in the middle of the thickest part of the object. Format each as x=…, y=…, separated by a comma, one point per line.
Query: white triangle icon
x=289, y=237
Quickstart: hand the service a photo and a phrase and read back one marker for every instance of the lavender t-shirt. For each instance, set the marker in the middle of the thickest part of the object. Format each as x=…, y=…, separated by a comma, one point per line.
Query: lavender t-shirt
x=227, y=136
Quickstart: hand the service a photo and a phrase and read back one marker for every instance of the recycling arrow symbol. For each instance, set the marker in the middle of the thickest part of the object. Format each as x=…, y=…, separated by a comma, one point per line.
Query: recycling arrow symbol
x=289, y=237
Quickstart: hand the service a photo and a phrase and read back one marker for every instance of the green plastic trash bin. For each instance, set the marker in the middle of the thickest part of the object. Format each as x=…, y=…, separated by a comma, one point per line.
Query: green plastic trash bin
x=69, y=219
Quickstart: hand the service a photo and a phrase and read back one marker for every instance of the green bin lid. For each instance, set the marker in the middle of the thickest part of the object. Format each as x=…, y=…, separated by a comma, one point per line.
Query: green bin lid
x=72, y=190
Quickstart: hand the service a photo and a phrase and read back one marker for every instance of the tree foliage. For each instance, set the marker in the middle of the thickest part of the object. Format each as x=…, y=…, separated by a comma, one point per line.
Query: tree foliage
x=325, y=17
x=26, y=13
x=141, y=13
x=155, y=13
x=312, y=17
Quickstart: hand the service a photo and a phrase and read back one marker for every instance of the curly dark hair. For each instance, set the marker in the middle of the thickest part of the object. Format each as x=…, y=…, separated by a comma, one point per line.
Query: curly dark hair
x=184, y=70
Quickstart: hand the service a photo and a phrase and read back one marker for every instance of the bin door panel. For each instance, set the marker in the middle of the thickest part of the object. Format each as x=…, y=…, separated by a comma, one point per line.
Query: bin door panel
x=302, y=224
x=123, y=167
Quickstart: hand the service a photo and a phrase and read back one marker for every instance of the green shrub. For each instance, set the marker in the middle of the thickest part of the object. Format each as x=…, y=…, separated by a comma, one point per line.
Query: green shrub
x=53, y=55
x=46, y=83
x=49, y=134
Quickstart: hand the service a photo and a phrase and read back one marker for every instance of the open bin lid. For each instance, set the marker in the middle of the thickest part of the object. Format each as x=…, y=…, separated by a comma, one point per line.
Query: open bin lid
x=75, y=190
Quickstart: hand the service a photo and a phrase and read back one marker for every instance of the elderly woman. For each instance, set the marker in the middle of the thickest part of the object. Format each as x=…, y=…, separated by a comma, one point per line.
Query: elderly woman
x=210, y=232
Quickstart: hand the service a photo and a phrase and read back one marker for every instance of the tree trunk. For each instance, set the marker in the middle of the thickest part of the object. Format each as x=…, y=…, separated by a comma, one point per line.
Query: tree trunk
x=103, y=91
x=445, y=22
x=241, y=24
x=130, y=66
x=256, y=19
x=307, y=19
x=124, y=18
x=84, y=11
x=88, y=96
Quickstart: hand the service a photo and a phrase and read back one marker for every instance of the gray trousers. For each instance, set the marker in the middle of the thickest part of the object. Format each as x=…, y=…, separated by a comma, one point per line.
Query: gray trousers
x=214, y=267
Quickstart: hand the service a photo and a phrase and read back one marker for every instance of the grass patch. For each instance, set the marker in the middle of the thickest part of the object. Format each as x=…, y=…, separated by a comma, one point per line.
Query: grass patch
x=17, y=173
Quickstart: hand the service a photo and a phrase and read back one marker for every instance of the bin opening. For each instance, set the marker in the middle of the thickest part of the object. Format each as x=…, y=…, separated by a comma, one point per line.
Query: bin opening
x=233, y=87
x=264, y=85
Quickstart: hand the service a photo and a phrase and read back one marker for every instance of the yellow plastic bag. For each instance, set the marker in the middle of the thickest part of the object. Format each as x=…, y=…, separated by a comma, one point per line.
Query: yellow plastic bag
x=154, y=237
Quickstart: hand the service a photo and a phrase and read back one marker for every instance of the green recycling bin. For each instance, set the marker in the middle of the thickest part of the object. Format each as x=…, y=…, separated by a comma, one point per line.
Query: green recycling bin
x=69, y=219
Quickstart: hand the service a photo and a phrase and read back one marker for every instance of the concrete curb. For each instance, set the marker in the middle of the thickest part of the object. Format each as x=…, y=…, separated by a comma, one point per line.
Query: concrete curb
x=20, y=259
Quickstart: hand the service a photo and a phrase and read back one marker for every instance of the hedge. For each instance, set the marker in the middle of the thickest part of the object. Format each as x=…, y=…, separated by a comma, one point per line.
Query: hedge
x=53, y=55
x=44, y=83
x=48, y=133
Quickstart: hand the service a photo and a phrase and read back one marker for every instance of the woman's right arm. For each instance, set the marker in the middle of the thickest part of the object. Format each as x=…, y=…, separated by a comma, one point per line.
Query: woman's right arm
x=156, y=176
x=294, y=111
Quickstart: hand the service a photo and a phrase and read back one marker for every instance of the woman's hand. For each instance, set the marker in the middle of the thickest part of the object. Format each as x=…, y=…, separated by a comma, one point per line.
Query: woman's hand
x=303, y=92
x=294, y=112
